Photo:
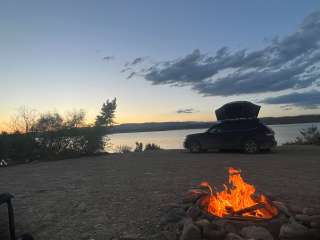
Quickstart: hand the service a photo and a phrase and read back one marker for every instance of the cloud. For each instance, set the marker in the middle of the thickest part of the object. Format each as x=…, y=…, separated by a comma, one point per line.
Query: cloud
x=108, y=58
x=131, y=75
x=292, y=62
x=186, y=110
x=135, y=61
x=309, y=99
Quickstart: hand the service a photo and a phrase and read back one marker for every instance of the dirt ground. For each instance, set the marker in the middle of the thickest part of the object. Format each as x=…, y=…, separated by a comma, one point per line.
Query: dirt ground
x=100, y=197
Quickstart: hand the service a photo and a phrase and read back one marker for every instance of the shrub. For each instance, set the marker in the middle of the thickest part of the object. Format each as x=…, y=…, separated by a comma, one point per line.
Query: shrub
x=123, y=149
x=139, y=147
x=64, y=143
x=17, y=147
x=152, y=147
x=310, y=136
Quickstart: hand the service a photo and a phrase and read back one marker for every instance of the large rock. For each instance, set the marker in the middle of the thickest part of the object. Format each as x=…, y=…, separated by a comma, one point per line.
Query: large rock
x=193, y=212
x=308, y=219
x=173, y=215
x=233, y=236
x=257, y=233
x=190, y=232
x=282, y=208
x=202, y=223
x=214, y=234
x=213, y=231
x=294, y=230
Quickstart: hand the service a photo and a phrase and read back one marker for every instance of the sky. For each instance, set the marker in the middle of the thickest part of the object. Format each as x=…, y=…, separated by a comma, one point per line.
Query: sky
x=163, y=60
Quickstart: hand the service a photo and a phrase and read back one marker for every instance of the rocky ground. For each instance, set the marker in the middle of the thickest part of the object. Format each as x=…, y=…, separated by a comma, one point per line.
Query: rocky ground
x=124, y=195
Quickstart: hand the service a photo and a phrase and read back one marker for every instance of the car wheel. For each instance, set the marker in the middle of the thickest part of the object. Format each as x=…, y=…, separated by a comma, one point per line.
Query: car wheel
x=195, y=147
x=251, y=147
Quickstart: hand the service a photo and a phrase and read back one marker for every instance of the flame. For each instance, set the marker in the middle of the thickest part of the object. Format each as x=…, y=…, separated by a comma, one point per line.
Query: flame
x=238, y=199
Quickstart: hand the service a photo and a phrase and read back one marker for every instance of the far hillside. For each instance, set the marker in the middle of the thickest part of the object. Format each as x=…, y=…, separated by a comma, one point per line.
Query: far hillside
x=164, y=126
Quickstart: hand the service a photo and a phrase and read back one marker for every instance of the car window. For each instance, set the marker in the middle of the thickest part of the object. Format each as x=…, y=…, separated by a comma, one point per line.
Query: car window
x=215, y=129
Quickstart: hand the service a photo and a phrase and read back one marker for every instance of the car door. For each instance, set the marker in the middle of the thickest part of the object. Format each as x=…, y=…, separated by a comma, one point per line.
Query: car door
x=228, y=135
x=212, y=138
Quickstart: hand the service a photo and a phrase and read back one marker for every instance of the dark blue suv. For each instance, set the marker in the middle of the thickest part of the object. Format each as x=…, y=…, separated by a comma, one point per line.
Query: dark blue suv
x=249, y=135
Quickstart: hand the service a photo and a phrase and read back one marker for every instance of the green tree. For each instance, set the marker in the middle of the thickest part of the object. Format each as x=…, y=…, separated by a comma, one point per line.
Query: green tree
x=75, y=118
x=107, y=114
x=49, y=122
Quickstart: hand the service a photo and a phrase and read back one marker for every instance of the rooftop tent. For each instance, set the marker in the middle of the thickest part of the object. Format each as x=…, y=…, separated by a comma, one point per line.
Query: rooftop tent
x=240, y=109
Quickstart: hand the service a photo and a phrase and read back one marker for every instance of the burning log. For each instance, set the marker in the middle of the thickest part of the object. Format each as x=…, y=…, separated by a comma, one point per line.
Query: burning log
x=249, y=209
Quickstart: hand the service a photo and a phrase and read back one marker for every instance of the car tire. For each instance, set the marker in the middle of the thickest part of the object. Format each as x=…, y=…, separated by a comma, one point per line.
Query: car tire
x=251, y=147
x=195, y=147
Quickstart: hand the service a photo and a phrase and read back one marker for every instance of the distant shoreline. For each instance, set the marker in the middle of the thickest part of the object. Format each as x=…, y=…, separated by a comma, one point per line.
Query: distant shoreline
x=167, y=126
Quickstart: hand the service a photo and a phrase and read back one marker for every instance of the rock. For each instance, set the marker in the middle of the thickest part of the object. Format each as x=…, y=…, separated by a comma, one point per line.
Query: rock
x=193, y=212
x=282, y=208
x=214, y=234
x=308, y=219
x=208, y=216
x=257, y=233
x=193, y=195
x=293, y=230
x=233, y=236
x=213, y=231
x=173, y=215
x=190, y=232
x=202, y=223
x=311, y=211
x=230, y=228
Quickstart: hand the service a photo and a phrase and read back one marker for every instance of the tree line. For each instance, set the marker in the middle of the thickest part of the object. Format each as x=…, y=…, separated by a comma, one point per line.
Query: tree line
x=53, y=136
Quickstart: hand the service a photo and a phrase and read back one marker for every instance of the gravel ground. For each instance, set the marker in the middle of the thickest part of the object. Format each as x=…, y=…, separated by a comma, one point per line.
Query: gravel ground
x=100, y=197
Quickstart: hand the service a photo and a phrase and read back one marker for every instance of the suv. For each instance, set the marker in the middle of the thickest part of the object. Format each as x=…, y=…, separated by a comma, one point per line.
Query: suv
x=249, y=135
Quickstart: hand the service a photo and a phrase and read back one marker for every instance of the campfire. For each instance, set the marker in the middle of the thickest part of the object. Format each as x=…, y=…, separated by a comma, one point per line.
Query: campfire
x=238, y=200
x=237, y=212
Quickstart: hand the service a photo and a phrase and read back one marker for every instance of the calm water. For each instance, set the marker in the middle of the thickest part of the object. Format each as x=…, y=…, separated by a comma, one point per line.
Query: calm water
x=173, y=139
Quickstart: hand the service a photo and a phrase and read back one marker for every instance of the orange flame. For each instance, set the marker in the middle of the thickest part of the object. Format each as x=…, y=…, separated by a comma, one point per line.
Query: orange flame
x=238, y=199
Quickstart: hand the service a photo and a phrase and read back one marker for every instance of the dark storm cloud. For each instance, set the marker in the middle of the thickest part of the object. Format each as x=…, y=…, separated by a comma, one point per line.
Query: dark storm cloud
x=186, y=110
x=288, y=63
x=310, y=99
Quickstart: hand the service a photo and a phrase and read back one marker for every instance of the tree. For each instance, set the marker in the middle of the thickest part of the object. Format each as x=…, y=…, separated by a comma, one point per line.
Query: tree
x=107, y=114
x=23, y=120
x=75, y=118
x=49, y=122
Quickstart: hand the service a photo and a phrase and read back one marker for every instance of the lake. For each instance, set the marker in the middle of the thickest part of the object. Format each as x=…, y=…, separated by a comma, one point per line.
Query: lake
x=173, y=139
